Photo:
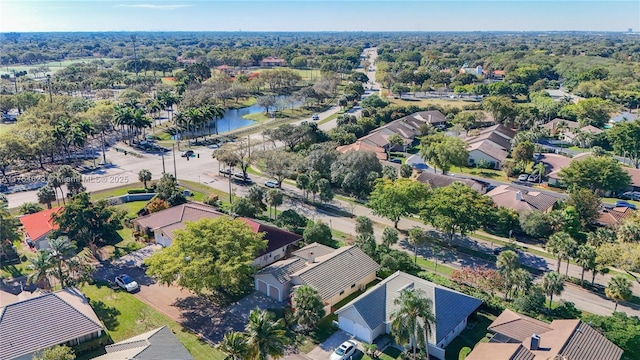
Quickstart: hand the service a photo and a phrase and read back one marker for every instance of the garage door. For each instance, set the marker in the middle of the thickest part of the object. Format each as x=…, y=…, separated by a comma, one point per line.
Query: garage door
x=345, y=324
x=262, y=287
x=360, y=332
x=274, y=293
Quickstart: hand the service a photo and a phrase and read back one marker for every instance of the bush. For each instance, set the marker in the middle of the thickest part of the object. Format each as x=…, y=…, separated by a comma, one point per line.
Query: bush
x=464, y=352
x=212, y=200
x=139, y=191
x=484, y=164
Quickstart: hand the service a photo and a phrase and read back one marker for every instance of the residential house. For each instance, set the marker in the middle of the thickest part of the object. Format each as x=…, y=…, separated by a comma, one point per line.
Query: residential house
x=622, y=117
x=164, y=223
x=486, y=151
x=561, y=95
x=559, y=125
x=477, y=71
x=614, y=216
x=369, y=315
x=554, y=176
x=334, y=273
x=380, y=138
x=522, y=200
x=572, y=137
x=30, y=323
x=160, y=343
x=38, y=226
x=433, y=117
x=519, y=337
x=491, y=144
x=635, y=179
x=272, y=61
x=437, y=180
x=381, y=154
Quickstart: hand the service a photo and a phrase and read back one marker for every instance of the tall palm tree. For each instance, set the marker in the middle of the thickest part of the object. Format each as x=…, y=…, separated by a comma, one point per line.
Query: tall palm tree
x=552, y=284
x=561, y=245
x=521, y=280
x=55, y=181
x=586, y=258
x=540, y=170
x=60, y=250
x=265, y=337
x=139, y=120
x=411, y=322
x=507, y=263
x=122, y=117
x=619, y=288
x=234, y=344
x=41, y=265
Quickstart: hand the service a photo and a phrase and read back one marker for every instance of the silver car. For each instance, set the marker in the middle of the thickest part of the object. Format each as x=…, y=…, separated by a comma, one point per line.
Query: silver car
x=126, y=282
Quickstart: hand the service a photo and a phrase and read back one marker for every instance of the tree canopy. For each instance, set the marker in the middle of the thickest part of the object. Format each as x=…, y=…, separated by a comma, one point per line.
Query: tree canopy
x=208, y=255
x=597, y=173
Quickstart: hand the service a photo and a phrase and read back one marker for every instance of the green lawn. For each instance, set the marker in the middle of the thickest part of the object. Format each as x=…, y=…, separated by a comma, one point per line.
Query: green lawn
x=125, y=316
x=323, y=330
x=331, y=117
x=390, y=353
x=613, y=201
x=306, y=74
x=485, y=173
x=475, y=332
x=201, y=191
x=5, y=128
x=54, y=66
x=117, y=191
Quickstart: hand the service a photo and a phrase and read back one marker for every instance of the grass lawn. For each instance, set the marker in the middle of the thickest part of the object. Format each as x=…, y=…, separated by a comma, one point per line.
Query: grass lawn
x=18, y=269
x=390, y=353
x=242, y=103
x=431, y=266
x=297, y=113
x=125, y=316
x=54, y=66
x=613, y=201
x=475, y=332
x=5, y=128
x=201, y=191
x=485, y=173
x=323, y=330
x=305, y=74
x=329, y=118
x=117, y=191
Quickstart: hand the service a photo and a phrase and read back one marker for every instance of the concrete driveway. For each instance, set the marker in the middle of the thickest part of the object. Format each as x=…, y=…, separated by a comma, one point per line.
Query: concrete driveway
x=324, y=350
x=243, y=307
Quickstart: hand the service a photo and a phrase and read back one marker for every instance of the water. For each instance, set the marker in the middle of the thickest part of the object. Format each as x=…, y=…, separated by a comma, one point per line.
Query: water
x=233, y=119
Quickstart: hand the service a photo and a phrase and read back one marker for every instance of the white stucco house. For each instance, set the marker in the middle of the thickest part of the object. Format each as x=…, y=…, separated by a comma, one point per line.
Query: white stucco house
x=164, y=223
x=334, y=273
x=369, y=315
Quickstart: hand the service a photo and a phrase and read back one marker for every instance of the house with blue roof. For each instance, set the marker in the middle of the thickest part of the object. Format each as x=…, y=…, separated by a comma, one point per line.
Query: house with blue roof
x=369, y=315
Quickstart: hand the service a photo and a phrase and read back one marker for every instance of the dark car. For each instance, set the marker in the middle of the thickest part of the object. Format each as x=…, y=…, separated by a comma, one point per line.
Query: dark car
x=188, y=153
x=396, y=161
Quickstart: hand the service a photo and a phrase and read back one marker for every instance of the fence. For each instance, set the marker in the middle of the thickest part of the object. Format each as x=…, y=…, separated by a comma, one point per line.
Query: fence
x=116, y=200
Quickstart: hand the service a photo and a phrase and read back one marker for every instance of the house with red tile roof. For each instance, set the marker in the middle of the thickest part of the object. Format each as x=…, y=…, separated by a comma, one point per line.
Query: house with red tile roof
x=164, y=223
x=38, y=226
x=272, y=61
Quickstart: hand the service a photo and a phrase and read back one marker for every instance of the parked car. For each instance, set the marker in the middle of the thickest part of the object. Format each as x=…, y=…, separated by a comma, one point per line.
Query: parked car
x=396, y=160
x=533, y=178
x=225, y=171
x=631, y=195
x=621, y=203
x=344, y=351
x=523, y=177
x=126, y=282
x=188, y=153
x=271, y=184
x=497, y=251
x=315, y=117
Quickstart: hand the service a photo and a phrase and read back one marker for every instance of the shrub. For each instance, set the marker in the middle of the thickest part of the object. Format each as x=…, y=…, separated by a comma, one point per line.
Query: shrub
x=464, y=352
x=212, y=200
x=484, y=164
x=139, y=191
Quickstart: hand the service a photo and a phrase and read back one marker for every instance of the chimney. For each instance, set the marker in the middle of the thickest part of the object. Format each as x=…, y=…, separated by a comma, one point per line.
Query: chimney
x=519, y=196
x=535, y=342
x=429, y=118
x=311, y=259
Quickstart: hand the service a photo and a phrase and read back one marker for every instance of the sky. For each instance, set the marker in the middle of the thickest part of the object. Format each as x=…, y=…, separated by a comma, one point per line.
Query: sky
x=318, y=15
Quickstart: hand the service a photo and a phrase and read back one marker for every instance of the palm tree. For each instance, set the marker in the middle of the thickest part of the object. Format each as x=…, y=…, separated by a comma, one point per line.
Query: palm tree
x=274, y=198
x=561, y=245
x=40, y=264
x=60, y=250
x=46, y=195
x=411, y=322
x=619, y=288
x=144, y=175
x=55, y=182
x=539, y=169
x=139, y=120
x=308, y=305
x=507, y=263
x=416, y=237
x=265, y=337
x=552, y=284
x=234, y=344
x=521, y=280
x=122, y=117
x=586, y=257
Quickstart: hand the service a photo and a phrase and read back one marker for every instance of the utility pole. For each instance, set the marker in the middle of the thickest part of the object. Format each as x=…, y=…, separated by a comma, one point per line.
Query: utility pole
x=104, y=154
x=163, y=169
x=175, y=171
x=49, y=83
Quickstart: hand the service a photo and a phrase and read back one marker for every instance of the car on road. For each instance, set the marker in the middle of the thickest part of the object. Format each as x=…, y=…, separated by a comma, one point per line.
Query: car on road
x=126, y=282
x=271, y=184
x=214, y=146
x=344, y=351
x=188, y=153
x=621, y=203
x=523, y=177
x=533, y=178
x=315, y=117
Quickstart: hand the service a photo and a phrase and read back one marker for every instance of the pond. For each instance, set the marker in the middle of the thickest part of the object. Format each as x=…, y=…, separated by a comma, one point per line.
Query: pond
x=233, y=118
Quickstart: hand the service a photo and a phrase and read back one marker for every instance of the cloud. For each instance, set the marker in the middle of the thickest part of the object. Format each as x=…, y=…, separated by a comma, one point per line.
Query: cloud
x=154, y=6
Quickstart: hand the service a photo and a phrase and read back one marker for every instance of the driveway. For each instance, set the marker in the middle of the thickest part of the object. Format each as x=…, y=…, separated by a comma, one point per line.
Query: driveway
x=243, y=307
x=324, y=350
x=198, y=313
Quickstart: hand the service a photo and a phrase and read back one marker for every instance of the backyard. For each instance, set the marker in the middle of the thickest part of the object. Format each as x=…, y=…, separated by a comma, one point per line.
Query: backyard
x=475, y=332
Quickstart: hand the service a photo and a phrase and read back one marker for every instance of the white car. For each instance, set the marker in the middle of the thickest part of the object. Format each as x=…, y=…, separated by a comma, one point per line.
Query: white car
x=271, y=184
x=344, y=351
x=126, y=282
x=315, y=117
x=523, y=177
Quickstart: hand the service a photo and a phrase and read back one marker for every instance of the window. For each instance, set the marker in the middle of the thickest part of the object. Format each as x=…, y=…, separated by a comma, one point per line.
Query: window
x=341, y=292
x=352, y=286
